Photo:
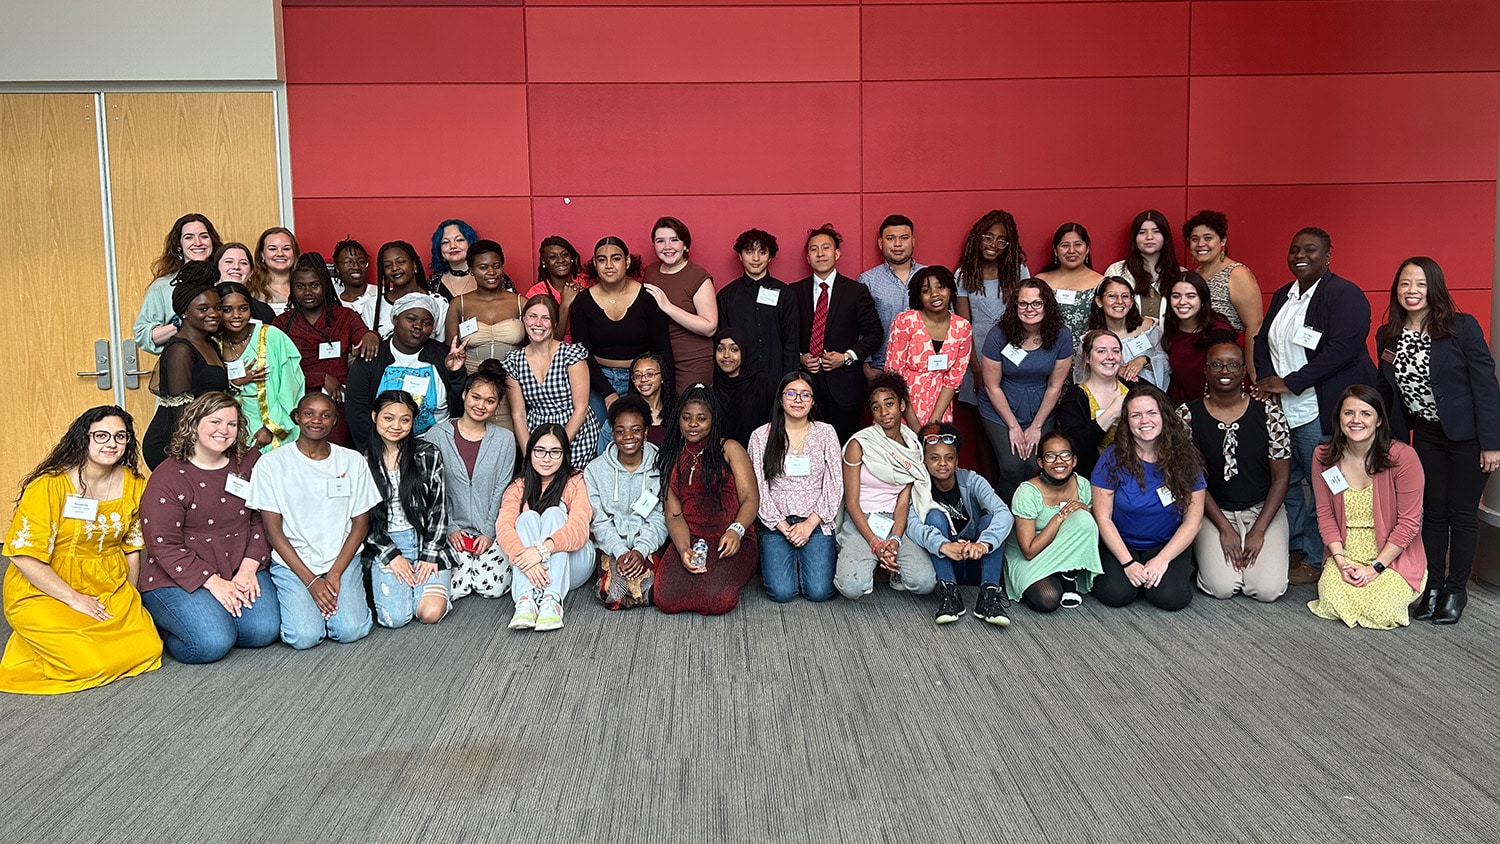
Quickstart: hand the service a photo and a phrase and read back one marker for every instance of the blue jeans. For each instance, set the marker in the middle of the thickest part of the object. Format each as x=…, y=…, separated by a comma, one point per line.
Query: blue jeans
x=196, y=628
x=395, y=602
x=303, y=626
x=566, y=570
x=787, y=569
x=1302, y=510
x=989, y=564
x=619, y=378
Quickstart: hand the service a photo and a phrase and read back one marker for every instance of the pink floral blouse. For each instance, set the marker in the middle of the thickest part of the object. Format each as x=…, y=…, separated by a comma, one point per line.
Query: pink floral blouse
x=909, y=353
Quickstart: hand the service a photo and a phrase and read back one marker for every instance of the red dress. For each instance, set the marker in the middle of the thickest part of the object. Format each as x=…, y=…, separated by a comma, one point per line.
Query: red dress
x=708, y=515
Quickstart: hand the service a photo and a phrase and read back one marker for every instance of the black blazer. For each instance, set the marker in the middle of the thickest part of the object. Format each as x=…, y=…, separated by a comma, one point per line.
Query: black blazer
x=364, y=383
x=1341, y=312
x=1463, y=382
x=853, y=325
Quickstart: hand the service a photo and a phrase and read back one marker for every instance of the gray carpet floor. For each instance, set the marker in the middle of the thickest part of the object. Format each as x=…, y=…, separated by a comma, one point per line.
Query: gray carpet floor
x=1229, y=721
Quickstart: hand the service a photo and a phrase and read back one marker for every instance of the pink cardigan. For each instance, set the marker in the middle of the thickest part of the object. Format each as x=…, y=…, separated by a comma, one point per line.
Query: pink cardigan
x=1397, y=501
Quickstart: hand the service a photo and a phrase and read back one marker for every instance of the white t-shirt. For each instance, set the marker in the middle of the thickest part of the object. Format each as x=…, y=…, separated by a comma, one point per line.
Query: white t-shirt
x=315, y=498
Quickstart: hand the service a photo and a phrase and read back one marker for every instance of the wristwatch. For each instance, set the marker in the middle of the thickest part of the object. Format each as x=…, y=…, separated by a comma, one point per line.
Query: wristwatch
x=1378, y=566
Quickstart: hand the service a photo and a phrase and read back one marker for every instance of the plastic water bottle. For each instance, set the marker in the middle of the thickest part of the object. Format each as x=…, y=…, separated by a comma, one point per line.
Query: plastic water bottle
x=700, y=553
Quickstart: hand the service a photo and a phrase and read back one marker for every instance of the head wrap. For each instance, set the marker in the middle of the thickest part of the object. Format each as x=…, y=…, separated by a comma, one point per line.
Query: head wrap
x=414, y=300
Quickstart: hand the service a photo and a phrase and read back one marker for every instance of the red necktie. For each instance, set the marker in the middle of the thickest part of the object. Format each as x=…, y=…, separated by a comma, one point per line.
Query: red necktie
x=820, y=319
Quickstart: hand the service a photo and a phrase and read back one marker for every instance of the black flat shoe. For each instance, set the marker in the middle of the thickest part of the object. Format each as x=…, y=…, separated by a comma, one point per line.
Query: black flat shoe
x=1422, y=608
x=1450, y=606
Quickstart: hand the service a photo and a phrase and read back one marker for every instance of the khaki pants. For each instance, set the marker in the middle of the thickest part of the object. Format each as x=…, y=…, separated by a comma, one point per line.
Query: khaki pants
x=1265, y=579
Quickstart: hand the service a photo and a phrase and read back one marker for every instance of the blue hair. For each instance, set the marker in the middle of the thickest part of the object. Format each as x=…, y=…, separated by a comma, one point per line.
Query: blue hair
x=439, y=265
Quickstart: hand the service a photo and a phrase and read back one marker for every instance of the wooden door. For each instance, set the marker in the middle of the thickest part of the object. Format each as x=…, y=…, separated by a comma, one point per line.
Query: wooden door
x=172, y=154
x=54, y=285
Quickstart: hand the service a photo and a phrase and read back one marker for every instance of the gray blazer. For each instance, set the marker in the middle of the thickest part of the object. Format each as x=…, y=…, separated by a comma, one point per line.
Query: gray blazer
x=474, y=504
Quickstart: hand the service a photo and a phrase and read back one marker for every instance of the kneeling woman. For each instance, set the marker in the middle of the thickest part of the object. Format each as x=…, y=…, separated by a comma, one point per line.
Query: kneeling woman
x=544, y=530
x=1148, y=503
x=206, y=580
x=1053, y=554
x=967, y=523
x=1369, y=493
x=711, y=496
x=75, y=547
x=409, y=575
x=625, y=491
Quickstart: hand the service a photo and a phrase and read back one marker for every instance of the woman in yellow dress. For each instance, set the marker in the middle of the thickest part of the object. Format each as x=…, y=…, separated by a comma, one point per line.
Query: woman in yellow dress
x=75, y=550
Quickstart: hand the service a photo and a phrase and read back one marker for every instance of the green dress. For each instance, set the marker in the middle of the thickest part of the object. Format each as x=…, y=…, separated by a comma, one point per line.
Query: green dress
x=1074, y=548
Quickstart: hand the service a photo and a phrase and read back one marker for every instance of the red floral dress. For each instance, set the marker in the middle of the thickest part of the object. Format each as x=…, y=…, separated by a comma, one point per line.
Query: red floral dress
x=909, y=353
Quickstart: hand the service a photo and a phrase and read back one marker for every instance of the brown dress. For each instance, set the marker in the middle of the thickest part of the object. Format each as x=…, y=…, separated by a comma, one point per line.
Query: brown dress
x=693, y=355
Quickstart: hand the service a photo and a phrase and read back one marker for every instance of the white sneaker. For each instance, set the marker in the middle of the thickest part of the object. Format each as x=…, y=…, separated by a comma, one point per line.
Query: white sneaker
x=549, y=617
x=526, y=611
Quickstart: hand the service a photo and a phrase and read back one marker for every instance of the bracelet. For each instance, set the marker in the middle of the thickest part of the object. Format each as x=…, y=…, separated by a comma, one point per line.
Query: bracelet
x=739, y=529
x=315, y=579
x=542, y=549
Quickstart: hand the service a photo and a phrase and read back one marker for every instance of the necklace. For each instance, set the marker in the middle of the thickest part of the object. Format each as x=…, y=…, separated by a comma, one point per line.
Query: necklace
x=234, y=348
x=457, y=273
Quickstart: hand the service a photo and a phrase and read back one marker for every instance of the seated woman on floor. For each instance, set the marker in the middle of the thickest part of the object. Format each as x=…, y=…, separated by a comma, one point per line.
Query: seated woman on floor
x=1053, y=553
x=625, y=491
x=544, y=530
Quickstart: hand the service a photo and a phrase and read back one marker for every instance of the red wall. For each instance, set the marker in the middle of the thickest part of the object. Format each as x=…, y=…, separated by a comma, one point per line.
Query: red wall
x=1378, y=120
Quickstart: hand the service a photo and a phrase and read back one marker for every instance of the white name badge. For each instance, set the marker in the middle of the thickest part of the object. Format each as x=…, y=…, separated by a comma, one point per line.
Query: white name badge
x=797, y=466
x=1136, y=346
x=1335, y=479
x=329, y=350
x=1307, y=338
x=236, y=368
x=415, y=384
x=1013, y=353
x=644, y=504
x=1165, y=495
x=78, y=507
x=937, y=363
x=338, y=487
x=236, y=485
x=1065, y=297
x=768, y=296
x=467, y=327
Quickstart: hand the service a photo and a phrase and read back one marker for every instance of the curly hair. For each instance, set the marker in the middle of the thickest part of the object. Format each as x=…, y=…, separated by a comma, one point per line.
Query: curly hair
x=171, y=258
x=919, y=280
x=971, y=258
x=714, y=464
x=184, y=440
x=439, y=264
x=1052, y=320
x=556, y=240
x=72, y=451
x=885, y=379
x=1097, y=318
x=1176, y=456
x=939, y=429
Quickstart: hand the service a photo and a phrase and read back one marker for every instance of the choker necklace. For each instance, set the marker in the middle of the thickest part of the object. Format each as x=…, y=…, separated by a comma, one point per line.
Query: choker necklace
x=1048, y=479
x=457, y=273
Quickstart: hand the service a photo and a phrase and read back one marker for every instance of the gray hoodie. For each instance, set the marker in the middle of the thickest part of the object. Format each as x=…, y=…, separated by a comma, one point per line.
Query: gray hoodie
x=614, y=493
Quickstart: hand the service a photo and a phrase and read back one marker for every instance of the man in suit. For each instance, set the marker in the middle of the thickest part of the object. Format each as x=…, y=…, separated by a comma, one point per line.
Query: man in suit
x=840, y=329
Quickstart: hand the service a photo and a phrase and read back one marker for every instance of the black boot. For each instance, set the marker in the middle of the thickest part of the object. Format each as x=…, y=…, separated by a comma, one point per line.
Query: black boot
x=1450, y=606
x=1426, y=603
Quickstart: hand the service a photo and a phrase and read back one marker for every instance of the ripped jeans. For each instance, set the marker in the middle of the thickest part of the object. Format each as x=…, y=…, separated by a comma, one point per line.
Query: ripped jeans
x=395, y=602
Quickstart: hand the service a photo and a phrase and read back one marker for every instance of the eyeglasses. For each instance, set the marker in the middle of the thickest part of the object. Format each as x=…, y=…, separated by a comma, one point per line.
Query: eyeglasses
x=102, y=437
x=1057, y=457
x=1225, y=367
x=945, y=439
x=797, y=395
x=644, y=374
x=1034, y=305
x=992, y=240
x=549, y=453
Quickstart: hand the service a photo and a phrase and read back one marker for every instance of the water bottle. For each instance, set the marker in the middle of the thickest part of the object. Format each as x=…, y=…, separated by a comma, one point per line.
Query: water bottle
x=700, y=553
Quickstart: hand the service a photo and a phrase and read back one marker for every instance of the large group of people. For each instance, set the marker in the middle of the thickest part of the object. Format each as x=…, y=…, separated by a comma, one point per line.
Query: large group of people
x=332, y=452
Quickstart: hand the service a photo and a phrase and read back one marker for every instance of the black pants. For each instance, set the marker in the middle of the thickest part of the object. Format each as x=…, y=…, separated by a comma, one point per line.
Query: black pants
x=1114, y=589
x=1450, y=504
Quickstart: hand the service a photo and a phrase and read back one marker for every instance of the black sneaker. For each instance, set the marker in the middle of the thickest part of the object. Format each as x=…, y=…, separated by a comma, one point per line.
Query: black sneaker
x=991, y=606
x=950, y=603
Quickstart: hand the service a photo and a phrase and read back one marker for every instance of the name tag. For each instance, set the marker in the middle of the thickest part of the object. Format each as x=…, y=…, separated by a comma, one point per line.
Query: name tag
x=768, y=296
x=467, y=327
x=881, y=525
x=644, y=504
x=338, y=487
x=236, y=368
x=330, y=350
x=1389, y=355
x=797, y=466
x=236, y=485
x=1307, y=338
x=1136, y=346
x=1013, y=353
x=937, y=363
x=1335, y=479
x=78, y=507
x=1165, y=495
x=415, y=384
x=1065, y=297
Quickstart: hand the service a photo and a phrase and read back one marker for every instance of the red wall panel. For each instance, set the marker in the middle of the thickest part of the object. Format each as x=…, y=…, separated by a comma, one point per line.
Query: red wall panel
x=323, y=222
x=695, y=139
x=1357, y=128
x=379, y=140
x=396, y=44
x=1033, y=133
x=714, y=221
x=999, y=41
x=1347, y=36
x=709, y=44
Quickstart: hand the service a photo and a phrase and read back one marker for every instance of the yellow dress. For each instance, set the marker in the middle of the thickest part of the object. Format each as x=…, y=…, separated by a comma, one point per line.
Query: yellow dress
x=1380, y=604
x=54, y=648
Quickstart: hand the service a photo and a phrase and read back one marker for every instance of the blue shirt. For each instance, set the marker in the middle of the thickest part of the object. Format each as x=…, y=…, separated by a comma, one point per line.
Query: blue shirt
x=1024, y=383
x=891, y=298
x=1139, y=514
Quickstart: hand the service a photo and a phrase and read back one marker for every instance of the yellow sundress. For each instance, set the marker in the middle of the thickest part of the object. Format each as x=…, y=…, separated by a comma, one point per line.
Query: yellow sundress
x=54, y=648
x=1381, y=603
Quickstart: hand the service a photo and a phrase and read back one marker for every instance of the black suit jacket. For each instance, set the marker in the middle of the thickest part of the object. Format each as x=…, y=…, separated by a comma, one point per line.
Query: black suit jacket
x=1341, y=312
x=1463, y=382
x=853, y=325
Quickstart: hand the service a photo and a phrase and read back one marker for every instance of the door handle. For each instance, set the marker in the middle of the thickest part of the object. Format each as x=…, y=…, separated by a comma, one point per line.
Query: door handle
x=132, y=360
x=101, y=363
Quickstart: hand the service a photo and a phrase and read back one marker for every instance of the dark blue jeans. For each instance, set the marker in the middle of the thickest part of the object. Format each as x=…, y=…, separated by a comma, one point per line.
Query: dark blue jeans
x=989, y=564
x=787, y=569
